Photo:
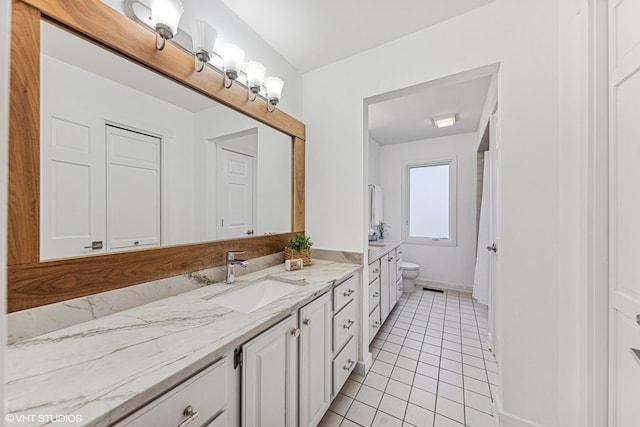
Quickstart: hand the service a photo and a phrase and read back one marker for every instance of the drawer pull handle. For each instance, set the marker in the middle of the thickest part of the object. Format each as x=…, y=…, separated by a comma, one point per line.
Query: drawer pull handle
x=188, y=412
x=390, y=258
x=295, y=332
x=376, y=325
x=376, y=295
x=349, y=292
x=376, y=271
x=307, y=322
x=350, y=364
x=349, y=324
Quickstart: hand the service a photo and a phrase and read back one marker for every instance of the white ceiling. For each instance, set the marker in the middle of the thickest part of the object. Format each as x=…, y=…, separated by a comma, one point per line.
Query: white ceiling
x=408, y=117
x=313, y=33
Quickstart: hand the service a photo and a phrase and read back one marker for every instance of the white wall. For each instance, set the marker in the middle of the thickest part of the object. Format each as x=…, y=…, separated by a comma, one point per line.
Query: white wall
x=5, y=20
x=67, y=87
x=374, y=162
x=452, y=265
x=232, y=28
x=522, y=37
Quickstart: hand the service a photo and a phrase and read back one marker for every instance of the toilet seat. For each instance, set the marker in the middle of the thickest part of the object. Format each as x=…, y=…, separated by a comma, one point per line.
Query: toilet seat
x=409, y=266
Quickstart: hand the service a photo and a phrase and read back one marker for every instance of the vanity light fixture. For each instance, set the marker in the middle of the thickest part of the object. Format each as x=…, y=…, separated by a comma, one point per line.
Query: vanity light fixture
x=165, y=15
x=444, y=121
x=255, y=78
x=204, y=37
x=274, y=91
x=232, y=57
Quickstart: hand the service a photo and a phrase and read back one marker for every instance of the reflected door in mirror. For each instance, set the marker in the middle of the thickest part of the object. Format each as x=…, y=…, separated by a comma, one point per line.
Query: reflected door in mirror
x=235, y=194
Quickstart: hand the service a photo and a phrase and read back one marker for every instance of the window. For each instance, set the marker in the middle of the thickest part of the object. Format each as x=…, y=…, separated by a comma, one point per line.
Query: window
x=430, y=214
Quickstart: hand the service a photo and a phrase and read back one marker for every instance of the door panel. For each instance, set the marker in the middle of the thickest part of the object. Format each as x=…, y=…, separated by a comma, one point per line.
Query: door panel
x=71, y=185
x=269, y=380
x=235, y=204
x=624, y=211
x=315, y=360
x=133, y=189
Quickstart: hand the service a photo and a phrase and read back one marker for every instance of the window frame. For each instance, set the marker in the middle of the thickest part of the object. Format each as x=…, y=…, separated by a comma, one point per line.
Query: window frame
x=452, y=162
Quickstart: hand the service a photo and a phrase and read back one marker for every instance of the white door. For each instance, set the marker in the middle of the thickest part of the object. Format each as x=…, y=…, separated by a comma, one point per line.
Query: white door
x=269, y=377
x=133, y=189
x=624, y=213
x=315, y=360
x=235, y=194
x=72, y=184
x=495, y=315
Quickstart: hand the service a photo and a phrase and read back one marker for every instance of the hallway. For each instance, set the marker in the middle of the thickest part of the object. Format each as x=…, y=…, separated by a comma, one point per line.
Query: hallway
x=431, y=368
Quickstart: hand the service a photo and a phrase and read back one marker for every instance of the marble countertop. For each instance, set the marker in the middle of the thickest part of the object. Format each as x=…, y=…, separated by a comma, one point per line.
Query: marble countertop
x=379, y=248
x=103, y=369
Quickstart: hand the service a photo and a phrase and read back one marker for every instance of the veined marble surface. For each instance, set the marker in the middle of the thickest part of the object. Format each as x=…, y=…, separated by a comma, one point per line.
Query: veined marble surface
x=42, y=320
x=103, y=369
x=379, y=248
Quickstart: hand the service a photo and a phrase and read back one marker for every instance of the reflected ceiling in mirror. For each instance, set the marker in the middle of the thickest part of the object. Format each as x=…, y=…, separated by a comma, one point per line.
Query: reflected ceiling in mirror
x=131, y=159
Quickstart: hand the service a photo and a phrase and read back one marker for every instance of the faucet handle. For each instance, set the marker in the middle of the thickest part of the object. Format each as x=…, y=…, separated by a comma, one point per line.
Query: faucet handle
x=231, y=255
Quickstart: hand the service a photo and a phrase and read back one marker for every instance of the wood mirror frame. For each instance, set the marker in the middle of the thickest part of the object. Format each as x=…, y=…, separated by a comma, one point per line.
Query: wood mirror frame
x=31, y=282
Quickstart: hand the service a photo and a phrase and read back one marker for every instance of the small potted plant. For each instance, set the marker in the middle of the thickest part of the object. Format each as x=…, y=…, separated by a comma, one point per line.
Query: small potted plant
x=299, y=247
x=382, y=227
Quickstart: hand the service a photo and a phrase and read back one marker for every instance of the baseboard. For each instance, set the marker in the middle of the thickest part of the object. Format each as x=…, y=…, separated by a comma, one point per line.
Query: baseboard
x=362, y=368
x=443, y=286
x=510, y=420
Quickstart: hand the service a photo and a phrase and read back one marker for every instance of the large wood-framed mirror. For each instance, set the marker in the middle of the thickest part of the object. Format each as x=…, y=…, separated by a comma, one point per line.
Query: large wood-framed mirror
x=33, y=281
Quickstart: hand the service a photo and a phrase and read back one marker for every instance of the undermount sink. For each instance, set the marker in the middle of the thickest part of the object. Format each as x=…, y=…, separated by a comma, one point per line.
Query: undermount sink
x=248, y=298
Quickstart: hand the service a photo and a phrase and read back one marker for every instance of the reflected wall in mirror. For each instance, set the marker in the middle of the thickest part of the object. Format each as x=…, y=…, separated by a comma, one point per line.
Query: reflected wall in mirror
x=131, y=159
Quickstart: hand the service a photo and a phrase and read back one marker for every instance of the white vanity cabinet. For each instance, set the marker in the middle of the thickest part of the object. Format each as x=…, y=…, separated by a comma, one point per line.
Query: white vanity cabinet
x=346, y=301
x=286, y=371
x=315, y=360
x=208, y=398
x=385, y=288
x=270, y=376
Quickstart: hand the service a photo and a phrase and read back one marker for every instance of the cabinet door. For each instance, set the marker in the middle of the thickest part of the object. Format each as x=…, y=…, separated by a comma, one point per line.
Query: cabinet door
x=269, y=377
x=384, y=288
x=315, y=360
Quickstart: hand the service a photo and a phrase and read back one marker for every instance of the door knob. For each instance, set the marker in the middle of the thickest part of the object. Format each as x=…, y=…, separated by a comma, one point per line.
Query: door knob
x=493, y=248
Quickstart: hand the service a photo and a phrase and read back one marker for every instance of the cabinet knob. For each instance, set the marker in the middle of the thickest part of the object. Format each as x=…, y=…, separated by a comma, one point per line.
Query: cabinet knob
x=295, y=332
x=349, y=365
x=376, y=294
x=376, y=324
x=307, y=322
x=349, y=324
x=349, y=292
x=390, y=258
x=188, y=412
x=375, y=271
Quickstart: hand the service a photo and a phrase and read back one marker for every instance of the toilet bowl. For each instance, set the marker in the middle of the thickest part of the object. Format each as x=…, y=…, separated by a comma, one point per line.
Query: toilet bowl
x=410, y=272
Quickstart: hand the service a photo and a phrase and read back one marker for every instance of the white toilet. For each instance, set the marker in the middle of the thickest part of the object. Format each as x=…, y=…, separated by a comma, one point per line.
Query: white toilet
x=410, y=272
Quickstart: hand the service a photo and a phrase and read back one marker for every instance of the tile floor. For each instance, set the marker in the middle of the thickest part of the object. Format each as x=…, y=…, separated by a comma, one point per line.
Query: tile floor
x=431, y=368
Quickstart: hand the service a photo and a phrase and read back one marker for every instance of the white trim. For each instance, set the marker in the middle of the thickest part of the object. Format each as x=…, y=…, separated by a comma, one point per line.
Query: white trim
x=444, y=286
x=509, y=420
x=453, y=202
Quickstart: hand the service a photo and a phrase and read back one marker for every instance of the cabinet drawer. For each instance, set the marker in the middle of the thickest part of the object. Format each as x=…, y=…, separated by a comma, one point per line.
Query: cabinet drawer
x=374, y=270
x=344, y=293
x=344, y=325
x=343, y=365
x=205, y=393
x=399, y=287
x=219, y=421
x=374, y=323
x=374, y=294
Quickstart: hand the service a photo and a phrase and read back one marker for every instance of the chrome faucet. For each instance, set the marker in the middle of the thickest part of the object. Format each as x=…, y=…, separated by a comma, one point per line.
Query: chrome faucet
x=231, y=265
